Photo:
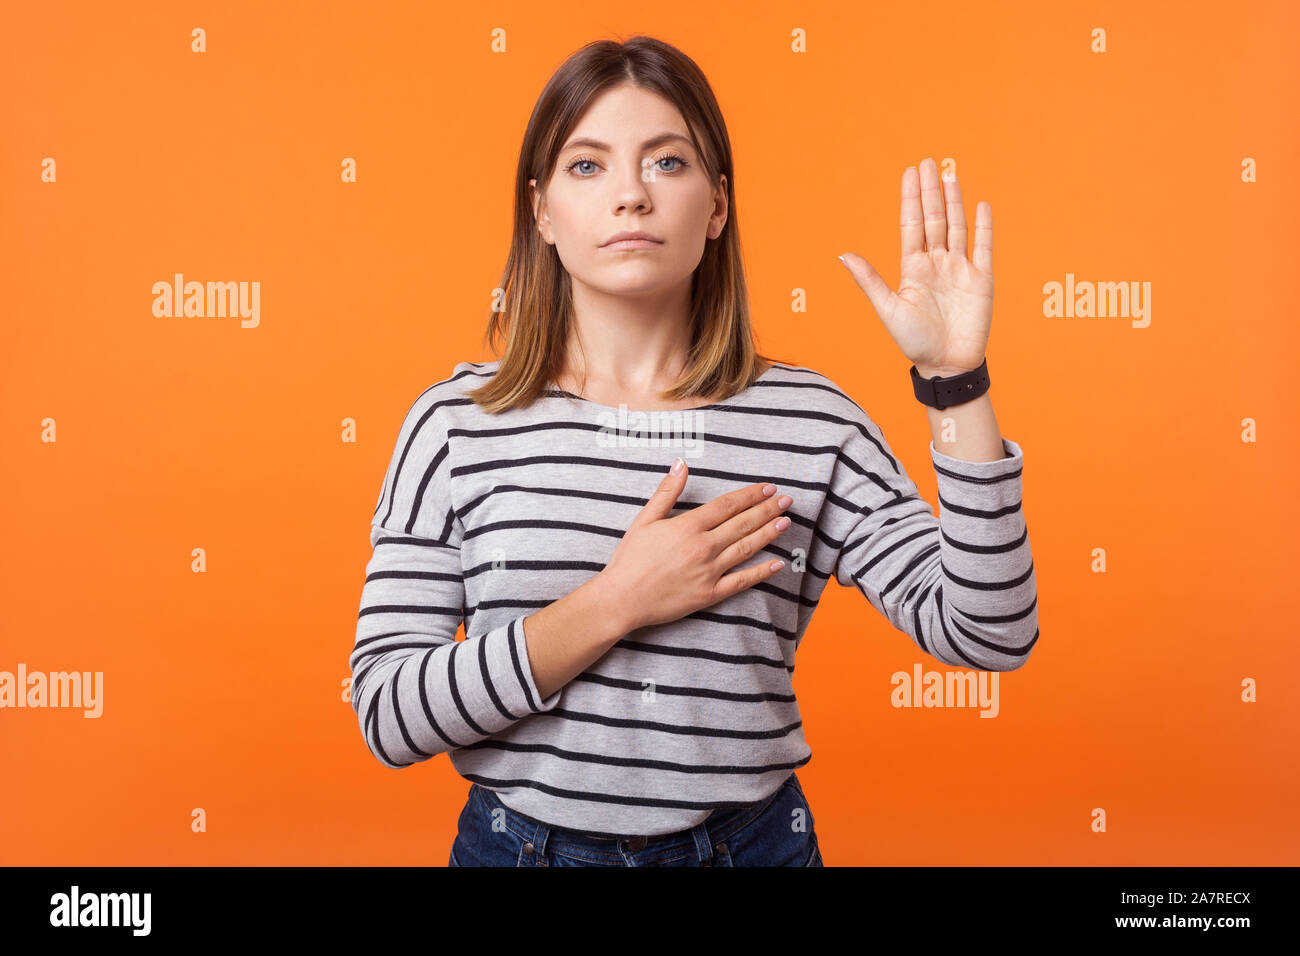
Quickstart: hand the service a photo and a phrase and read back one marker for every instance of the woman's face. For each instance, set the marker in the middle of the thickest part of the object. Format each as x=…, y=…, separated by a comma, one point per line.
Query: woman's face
x=629, y=166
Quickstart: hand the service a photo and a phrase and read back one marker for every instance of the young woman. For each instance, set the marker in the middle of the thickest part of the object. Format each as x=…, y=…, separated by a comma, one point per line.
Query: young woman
x=635, y=514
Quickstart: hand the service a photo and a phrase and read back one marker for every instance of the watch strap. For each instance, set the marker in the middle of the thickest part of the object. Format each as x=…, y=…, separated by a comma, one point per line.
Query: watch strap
x=946, y=391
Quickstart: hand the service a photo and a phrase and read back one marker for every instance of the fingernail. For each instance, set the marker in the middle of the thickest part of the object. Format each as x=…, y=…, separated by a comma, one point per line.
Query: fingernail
x=768, y=490
x=843, y=263
x=677, y=466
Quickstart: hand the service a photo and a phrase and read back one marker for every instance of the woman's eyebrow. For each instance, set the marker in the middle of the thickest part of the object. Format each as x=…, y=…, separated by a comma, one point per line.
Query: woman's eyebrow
x=648, y=144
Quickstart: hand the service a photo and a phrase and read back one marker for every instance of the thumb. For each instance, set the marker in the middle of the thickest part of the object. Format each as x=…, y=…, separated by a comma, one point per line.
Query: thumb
x=869, y=281
x=665, y=496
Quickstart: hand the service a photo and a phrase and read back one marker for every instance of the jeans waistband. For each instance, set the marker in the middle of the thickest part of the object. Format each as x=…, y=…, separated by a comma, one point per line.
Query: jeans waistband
x=717, y=827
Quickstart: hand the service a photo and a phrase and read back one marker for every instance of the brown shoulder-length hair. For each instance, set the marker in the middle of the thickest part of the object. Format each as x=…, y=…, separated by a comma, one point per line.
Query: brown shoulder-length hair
x=534, y=313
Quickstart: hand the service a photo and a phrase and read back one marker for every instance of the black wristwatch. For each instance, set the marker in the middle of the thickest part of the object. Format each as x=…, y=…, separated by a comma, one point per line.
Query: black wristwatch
x=941, y=392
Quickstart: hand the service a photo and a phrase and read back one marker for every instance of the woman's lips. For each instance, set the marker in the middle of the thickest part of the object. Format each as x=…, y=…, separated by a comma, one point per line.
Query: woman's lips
x=633, y=244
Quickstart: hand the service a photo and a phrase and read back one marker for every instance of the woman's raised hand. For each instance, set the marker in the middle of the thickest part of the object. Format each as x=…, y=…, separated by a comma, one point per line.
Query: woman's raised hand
x=943, y=309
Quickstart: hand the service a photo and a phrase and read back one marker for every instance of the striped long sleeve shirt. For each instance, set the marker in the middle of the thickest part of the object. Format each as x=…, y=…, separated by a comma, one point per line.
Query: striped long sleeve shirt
x=484, y=519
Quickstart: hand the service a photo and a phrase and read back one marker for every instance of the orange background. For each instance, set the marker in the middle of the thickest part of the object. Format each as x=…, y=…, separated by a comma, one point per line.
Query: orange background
x=223, y=690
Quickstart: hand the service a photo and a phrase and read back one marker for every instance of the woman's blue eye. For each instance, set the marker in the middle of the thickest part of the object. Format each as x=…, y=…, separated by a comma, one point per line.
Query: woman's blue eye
x=591, y=162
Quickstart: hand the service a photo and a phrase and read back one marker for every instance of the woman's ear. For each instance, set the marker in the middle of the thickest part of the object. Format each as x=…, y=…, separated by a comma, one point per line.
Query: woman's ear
x=718, y=220
x=539, y=212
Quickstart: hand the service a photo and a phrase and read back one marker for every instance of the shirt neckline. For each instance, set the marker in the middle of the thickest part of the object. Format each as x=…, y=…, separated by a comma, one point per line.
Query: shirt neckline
x=557, y=391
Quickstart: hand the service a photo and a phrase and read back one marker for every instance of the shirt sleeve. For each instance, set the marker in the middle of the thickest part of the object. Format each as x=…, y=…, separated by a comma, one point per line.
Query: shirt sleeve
x=417, y=691
x=961, y=585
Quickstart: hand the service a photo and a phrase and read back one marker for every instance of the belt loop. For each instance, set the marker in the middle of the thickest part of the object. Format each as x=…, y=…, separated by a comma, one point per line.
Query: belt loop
x=703, y=846
x=535, y=832
x=540, y=836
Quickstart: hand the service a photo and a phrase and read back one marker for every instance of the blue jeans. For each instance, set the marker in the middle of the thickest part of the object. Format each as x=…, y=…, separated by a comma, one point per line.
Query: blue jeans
x=768, y=833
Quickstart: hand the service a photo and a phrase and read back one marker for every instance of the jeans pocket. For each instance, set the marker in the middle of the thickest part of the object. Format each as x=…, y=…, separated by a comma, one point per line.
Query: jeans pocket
x=483, y=839
x=816, y=858
x=781, y=835
x=801, y=821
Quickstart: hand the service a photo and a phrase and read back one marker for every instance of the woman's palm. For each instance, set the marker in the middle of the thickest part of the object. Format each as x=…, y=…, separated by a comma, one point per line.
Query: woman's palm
x=941, y=315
